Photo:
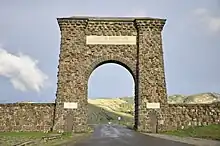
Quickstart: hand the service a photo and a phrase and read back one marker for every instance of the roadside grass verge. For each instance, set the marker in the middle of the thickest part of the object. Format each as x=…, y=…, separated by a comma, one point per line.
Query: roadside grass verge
x=206, y=132
x=13, y=138
x=23, y=134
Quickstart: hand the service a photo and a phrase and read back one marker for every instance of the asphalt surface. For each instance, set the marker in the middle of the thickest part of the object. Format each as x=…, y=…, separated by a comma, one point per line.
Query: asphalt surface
x=114, y=135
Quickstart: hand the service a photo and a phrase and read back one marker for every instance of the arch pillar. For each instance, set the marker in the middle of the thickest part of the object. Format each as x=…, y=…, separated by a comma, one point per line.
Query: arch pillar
x=151, y=77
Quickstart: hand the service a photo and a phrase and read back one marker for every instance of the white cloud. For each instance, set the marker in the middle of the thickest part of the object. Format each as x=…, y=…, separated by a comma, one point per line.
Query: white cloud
x=22, y=71
x=211, y=21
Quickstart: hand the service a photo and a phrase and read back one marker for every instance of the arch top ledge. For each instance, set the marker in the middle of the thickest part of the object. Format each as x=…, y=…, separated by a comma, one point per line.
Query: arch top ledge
x=139, y=20
x=140, y=23
x=109, y=18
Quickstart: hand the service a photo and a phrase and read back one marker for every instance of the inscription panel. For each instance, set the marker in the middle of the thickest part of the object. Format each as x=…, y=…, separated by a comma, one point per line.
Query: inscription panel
x=70, y=105
x=111, y=40
x=153, y=105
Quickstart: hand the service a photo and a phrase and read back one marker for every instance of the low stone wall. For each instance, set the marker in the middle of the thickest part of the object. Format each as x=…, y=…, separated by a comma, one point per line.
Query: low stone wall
x=26, y=116
x=180, y=116
x=40, y=116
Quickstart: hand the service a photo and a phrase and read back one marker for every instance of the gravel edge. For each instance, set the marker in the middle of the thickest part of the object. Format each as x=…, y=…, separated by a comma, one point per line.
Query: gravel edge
x=188, y=140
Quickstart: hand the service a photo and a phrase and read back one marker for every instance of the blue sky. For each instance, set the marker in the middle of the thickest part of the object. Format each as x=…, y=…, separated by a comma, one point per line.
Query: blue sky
x=30, y=41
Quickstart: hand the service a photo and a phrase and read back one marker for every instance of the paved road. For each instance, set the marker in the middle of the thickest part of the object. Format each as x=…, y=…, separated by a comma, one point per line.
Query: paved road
x=113, y=135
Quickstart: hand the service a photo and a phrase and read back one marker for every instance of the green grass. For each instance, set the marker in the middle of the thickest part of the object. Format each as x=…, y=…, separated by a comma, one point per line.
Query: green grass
x=68, y=139
x=12, y=138
x=30, y=134
x=21, y=134
x=207, y=132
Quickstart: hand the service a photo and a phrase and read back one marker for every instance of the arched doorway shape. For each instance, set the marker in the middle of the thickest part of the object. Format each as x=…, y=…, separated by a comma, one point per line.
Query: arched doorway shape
x=116, y=82
x=129, y=65
x=89, y=42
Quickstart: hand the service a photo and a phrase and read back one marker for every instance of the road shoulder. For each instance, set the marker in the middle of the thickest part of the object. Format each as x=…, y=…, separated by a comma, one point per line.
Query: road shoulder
x=188, y=140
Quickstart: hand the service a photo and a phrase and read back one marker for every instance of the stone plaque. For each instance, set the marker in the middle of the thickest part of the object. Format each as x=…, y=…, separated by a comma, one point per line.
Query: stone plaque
x=153, y=105
x=111, y=40
x=70, y=105
x=161, y=122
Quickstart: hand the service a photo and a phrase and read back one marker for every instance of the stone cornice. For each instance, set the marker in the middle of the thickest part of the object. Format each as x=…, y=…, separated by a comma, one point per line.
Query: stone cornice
x=141, y=23
x=110, y=19
x=150, y=24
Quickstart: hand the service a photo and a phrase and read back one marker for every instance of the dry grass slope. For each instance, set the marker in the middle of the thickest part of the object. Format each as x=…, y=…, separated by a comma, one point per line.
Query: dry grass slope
x=99, y=115
x=101, y=110
x=124, y=106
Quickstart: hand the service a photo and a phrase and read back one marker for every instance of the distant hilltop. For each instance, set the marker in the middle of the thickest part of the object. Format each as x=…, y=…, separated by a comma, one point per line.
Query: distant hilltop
x=125, y=105
x=201, y=98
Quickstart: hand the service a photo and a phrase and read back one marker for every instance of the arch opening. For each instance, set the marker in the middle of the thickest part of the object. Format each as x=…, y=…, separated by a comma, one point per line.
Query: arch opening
x=95, y=65
x=111, y=93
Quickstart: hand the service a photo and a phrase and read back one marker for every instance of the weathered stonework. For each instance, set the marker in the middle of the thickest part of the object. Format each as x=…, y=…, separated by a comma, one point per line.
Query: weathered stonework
x=77, y=61
x=26, y=116
x=40, y=116
x=180, y=116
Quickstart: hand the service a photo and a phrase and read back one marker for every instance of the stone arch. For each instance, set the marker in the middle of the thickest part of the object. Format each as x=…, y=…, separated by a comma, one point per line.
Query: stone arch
x=138, y=48
x=111, y=59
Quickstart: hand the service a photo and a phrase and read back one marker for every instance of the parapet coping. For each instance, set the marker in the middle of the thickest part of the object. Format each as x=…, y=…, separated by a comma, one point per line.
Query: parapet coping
x=28, y=103
x=127, y=19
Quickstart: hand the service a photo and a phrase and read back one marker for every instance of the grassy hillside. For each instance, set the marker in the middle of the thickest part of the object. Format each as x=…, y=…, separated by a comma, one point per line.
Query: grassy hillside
x=177, y=98
x=129, y=100
x=208, y=97
x=103, y=109
x=115, y=105
x=99, y=115
x=202, y=98
x=196, y=98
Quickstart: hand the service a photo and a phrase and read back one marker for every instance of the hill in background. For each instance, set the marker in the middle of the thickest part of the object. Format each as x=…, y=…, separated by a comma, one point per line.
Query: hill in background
x=202, y=98
x=100, y=115
x=103, y=109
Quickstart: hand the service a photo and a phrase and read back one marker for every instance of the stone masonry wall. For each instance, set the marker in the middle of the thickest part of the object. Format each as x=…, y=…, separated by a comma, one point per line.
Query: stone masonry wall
x=181, y=116
x=39, y=116
x=26, y=116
